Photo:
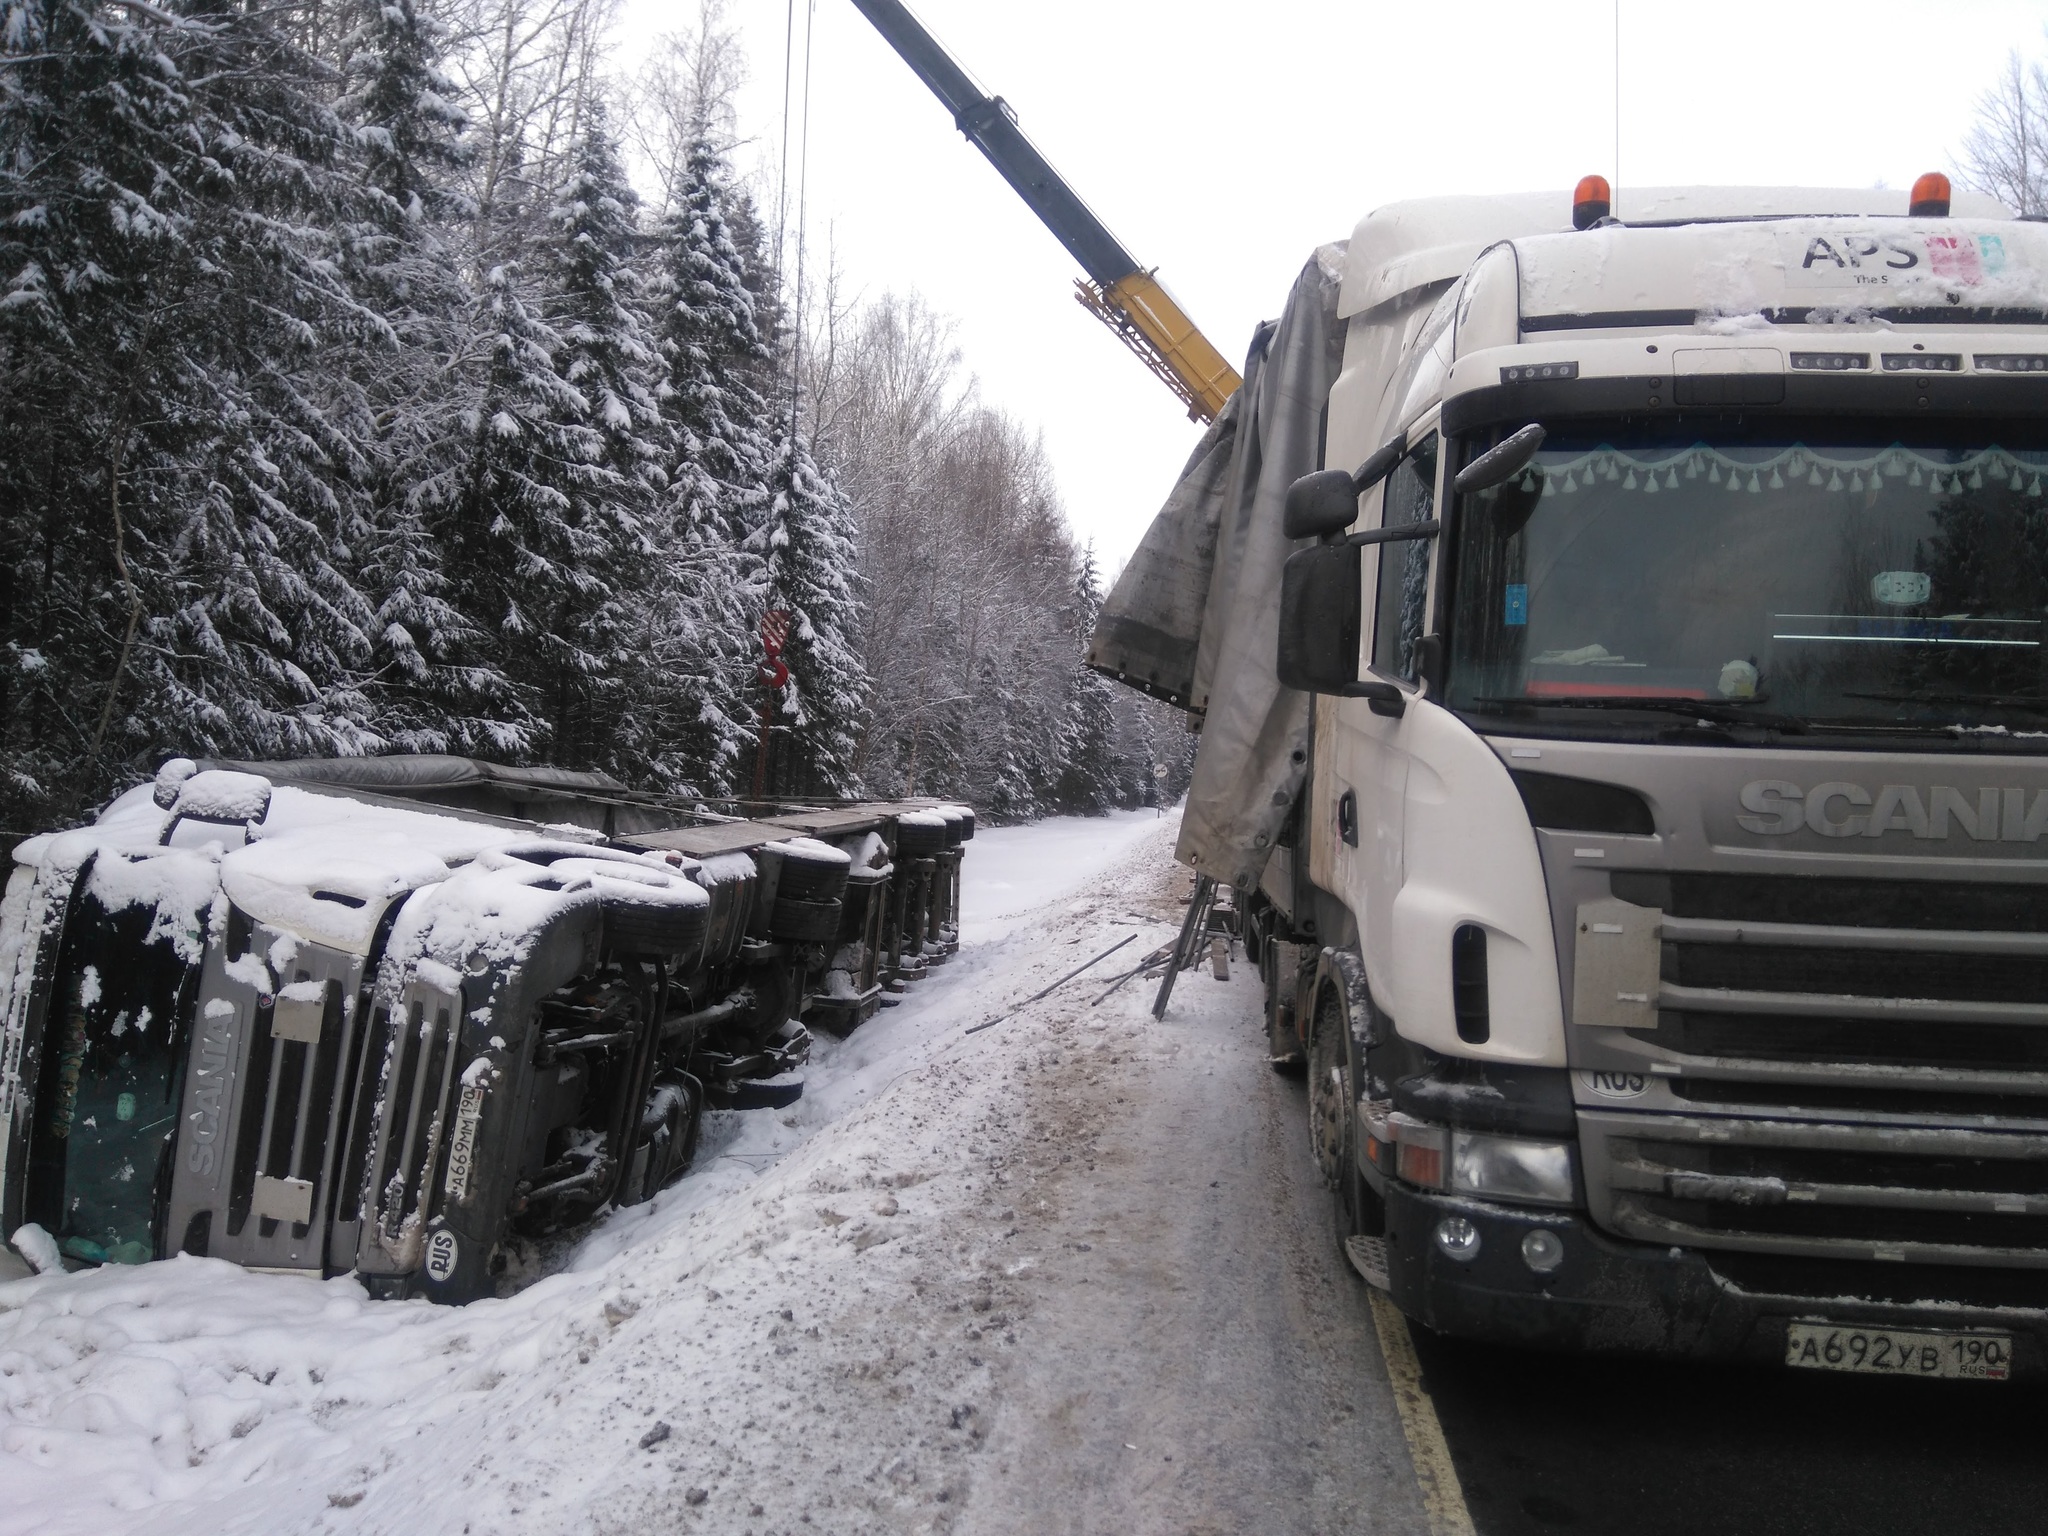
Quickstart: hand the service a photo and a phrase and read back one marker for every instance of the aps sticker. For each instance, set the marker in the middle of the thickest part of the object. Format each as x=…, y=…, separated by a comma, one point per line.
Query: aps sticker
x=1868, y=259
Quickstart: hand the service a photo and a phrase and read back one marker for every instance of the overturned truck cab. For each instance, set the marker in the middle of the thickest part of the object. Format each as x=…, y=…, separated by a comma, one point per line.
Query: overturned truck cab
x=327, y=1028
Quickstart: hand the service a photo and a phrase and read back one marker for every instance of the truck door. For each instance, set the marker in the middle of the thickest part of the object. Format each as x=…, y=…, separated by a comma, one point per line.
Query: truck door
x=1368, y=766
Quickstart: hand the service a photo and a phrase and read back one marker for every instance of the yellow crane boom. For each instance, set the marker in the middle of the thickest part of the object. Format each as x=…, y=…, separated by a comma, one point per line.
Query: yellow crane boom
x=1126, y=297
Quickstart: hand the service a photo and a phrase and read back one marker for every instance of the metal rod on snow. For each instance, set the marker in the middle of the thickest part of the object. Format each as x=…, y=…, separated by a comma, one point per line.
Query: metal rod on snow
x=1191, y=932
x=1034, y=997
x=1158, y=957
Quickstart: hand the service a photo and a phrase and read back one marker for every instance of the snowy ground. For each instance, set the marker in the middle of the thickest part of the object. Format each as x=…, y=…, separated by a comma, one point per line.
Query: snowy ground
x=1015, y=873
x=868, y=1312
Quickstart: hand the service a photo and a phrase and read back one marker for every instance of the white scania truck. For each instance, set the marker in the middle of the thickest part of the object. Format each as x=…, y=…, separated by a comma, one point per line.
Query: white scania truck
x=1620, y=641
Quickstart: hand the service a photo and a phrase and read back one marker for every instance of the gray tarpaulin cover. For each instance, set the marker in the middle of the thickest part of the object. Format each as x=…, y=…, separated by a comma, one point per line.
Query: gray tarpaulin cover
x=1195, y=616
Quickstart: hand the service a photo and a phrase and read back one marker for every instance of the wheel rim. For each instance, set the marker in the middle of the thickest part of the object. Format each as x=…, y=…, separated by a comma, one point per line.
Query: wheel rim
x=1326, y=1097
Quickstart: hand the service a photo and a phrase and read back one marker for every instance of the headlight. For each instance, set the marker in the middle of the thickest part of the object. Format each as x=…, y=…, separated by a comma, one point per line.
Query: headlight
x=1508, y=1168
x=1432, y=1156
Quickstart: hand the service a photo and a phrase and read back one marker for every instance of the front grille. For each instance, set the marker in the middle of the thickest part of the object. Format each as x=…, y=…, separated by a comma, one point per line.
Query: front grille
x=417, y=1073
x=1845, y=1068
x=1862, y=1192
x=1814, y=968
x=1874, y=1042
x=1839, y=902
x=1828, y=1098
x=1948, y=1229
x=1886, y=996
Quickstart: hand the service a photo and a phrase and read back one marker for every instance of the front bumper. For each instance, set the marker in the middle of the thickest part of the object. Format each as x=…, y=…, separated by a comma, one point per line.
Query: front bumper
x=1615, y=1296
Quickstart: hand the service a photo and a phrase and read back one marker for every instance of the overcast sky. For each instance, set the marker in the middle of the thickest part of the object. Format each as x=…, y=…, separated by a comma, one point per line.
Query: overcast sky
x=1222, y=142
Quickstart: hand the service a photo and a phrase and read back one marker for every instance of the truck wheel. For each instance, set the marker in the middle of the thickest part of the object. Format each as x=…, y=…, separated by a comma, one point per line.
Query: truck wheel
x=1333, y=1120
x=804, y=922
x=920, y=835
x=805, y=878
x=641, y=928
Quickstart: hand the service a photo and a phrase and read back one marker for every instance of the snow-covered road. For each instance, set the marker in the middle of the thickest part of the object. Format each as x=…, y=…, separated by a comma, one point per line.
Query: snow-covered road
x=1067, y=1274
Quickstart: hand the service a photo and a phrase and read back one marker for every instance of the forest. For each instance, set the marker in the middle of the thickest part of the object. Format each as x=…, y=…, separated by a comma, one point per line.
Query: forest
x=387, y=376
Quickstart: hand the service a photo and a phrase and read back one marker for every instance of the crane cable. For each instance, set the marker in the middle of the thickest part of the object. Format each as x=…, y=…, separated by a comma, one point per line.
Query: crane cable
x=782, y=170
x=803, y=209
x=793, y=293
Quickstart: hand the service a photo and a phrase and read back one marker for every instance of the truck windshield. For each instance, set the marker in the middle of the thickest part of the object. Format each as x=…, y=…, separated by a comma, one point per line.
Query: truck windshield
x=1887, y=578
x=106, y=1106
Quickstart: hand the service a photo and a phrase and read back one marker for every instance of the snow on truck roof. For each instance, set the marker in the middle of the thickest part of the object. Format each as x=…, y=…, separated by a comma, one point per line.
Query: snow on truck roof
x=1402, y=247
x=323, y=864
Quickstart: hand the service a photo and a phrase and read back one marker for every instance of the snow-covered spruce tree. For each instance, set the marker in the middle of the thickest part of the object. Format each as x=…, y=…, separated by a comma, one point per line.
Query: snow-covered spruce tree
x=702, y=711
x=170, y=433
x=541, y=533
x=434, y=683
x=807, y=550
x=765, y=370
x=1137, y=752
x=1090, y=772
x=608, y=357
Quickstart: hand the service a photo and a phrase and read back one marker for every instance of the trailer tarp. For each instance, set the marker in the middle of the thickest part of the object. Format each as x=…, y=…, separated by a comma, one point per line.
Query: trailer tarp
x=1195, y=616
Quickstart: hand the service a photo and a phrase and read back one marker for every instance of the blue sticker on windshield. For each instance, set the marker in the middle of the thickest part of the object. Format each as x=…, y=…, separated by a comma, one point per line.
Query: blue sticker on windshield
x=1518, y=602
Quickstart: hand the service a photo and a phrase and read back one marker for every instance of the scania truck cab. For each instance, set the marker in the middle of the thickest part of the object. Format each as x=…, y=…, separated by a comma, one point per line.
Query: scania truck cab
x=1651, y=871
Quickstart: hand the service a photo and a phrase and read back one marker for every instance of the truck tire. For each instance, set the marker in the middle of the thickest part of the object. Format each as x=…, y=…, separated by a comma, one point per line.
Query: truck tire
x=1333, y=1065
x=811, y=879
x=644, y=928
x=640, y=918
x=804, y=922
x=920, y=835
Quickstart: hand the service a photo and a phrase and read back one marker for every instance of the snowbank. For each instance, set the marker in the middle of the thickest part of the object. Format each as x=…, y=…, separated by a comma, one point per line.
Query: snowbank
x=1015, y=872
x=757, y=1333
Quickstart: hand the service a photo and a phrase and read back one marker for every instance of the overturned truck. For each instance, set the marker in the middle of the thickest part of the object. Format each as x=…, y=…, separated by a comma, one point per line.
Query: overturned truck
x=400, y=1017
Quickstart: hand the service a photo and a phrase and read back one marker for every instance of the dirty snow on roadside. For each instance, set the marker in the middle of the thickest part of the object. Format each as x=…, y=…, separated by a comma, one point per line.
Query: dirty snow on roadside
x=807, y=1333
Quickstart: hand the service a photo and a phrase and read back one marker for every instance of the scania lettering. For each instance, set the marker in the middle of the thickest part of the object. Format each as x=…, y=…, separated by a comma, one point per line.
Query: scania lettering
x=1619, y=636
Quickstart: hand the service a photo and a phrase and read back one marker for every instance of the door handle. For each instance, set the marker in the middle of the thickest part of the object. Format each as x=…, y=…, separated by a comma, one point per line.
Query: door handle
x=1347, y=817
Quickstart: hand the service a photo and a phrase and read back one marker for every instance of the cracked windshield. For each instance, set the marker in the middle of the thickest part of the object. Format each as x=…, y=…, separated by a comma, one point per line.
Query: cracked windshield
x=1896, y=580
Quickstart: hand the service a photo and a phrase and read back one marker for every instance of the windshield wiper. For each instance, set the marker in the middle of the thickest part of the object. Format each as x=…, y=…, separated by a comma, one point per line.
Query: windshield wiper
x=1954, y=731
x=1720, y=712
x=2032, y=703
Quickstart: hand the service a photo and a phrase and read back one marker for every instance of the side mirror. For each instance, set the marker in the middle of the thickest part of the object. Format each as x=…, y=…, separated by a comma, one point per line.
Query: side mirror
x=1319, y=505
x=1326, y=502
x=1321, y=611
x=1321, y=614
x=1503, y=460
